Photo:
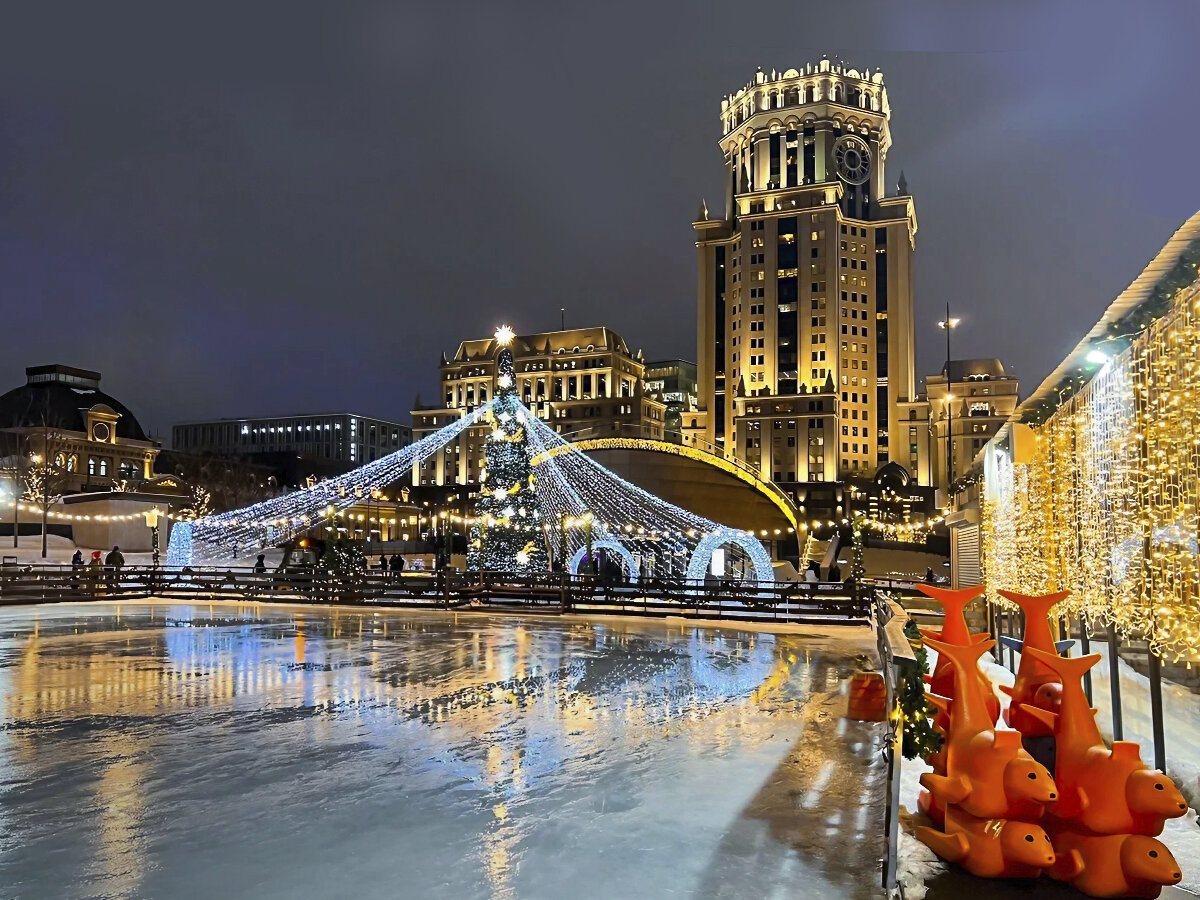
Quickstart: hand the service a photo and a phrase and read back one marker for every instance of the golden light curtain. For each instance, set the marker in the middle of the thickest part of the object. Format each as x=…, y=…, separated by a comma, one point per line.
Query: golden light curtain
x=1107, y=504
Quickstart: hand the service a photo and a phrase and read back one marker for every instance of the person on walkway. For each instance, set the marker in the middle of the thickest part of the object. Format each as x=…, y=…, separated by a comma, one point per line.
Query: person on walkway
x=811, y=576
x=260, y=564
x=929, y=575
x=396, y=564
x=835, y=573
x=93, y=574
x=383, y=563
x=76, y=565
x=112, y=565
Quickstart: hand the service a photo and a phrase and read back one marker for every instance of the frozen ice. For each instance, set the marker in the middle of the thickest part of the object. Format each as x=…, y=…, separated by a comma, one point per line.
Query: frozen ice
x=182, y=751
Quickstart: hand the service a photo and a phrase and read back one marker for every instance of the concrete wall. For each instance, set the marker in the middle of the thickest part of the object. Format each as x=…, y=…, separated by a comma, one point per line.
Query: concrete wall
x=132, y=535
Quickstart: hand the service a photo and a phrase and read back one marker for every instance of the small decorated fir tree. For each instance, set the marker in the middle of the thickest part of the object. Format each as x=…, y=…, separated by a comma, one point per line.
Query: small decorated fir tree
x=920, y=737
x=507, y=535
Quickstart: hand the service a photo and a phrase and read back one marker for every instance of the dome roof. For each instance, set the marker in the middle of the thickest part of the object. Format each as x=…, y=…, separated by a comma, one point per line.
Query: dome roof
x=60, y=397
x=894, y=476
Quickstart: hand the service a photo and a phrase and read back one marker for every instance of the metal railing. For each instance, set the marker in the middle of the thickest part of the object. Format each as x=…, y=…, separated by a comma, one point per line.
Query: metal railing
x=1008, y=628
x=445, y=589
x=897, y=661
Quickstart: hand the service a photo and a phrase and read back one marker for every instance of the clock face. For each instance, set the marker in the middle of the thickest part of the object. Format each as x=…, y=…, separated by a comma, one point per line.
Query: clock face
x=852, y=157
x=100, y=431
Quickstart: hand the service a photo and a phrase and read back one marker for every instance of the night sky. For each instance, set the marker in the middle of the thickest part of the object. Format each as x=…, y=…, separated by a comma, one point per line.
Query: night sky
x=264, y=209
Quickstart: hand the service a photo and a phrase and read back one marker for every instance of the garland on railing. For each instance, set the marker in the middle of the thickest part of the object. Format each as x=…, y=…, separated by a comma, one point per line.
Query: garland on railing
x=920, y=737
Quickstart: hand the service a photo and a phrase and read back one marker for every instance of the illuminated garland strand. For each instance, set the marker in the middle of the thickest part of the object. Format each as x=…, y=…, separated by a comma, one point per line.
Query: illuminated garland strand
x=1107, y=507
x=282, y=518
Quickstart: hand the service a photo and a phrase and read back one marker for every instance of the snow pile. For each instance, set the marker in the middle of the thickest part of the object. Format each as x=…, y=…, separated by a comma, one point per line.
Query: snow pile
x=917, y=864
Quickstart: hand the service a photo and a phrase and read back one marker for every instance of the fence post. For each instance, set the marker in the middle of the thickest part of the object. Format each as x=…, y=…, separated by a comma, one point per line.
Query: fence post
x=1085, y=647
x=1114, y=683
x=1156, y=709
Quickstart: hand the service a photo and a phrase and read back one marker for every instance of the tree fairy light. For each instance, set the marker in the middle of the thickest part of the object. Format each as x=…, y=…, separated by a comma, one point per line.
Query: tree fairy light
x=512, y=539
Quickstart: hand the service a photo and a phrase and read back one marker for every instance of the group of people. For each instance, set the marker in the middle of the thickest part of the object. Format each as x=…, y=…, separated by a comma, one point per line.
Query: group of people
x=812, y=574
x=395, y=565
x=113, y=562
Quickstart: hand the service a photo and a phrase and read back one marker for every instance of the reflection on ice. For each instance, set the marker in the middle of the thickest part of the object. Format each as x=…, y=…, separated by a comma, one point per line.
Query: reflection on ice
x=170, y=751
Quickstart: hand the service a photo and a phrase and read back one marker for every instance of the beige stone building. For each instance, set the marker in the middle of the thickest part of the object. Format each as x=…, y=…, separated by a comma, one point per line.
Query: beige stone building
x=87, y=438
x=584, y=382
x=971, y=405
x=805, y=287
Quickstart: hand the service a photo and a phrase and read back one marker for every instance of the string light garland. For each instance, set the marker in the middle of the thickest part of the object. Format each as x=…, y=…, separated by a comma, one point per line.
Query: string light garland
x=1107, y=505
x=536, y=492
x=274, y=521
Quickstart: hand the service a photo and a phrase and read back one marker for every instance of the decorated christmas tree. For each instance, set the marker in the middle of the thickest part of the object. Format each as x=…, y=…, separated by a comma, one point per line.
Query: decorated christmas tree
x=507, y=535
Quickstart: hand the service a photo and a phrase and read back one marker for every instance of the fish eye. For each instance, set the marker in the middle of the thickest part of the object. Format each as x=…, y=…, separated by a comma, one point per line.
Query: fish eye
x=1159, y=787
x=1032, y=776
x=1029, y=837
x=1154, y=854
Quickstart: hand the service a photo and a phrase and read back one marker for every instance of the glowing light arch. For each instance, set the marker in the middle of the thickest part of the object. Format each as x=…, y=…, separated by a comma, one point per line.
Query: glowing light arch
x=760, y=562
x=621, y=550
x=767, y=488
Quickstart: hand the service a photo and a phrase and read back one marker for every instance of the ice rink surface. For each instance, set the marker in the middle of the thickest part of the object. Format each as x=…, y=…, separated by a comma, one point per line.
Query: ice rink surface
x=172, y=751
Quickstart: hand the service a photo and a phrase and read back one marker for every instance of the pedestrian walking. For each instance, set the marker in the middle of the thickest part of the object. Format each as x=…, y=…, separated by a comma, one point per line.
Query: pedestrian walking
x=835, y=573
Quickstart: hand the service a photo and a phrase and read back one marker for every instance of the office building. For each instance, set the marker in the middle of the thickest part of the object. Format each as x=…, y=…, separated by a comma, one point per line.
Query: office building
x=805, y=285
x=674, y=382
x=971, y=406
x=584, y=382
x=337, y=437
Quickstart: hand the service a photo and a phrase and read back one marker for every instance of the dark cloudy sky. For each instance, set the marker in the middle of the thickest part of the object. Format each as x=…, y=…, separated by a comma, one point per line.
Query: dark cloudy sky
x=271, y=208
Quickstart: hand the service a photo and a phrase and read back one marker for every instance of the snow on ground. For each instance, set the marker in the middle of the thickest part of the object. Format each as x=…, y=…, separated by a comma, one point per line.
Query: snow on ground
x=1181, y=716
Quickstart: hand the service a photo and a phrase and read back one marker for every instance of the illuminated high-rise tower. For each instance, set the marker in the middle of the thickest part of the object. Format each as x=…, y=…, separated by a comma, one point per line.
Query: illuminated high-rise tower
x=805, y=289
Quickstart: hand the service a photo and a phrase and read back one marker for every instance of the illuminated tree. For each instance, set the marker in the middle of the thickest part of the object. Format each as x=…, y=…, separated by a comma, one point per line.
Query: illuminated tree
x=507, y=535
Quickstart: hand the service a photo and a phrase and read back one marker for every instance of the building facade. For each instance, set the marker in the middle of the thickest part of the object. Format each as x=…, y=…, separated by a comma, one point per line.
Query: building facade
x=85, y=438
x=584, y=382
x=970, y=406
x=336, y=437
x=674, y=382
x=805, y=287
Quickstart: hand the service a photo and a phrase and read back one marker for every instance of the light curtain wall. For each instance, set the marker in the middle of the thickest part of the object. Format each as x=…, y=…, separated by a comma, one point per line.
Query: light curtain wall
x=1103, y=500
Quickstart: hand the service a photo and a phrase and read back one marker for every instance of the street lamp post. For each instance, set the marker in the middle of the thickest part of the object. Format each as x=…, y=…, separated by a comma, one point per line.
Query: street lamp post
x=948, y=324
x=152, y=516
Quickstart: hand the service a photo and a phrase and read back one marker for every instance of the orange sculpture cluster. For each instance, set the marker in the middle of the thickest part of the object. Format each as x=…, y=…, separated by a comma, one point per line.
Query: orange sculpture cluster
x=1001, y=814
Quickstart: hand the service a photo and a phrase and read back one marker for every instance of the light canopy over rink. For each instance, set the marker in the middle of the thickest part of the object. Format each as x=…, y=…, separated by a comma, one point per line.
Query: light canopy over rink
x=679, y=543
x=229, y=535
x=174, y=751
x=582, y=505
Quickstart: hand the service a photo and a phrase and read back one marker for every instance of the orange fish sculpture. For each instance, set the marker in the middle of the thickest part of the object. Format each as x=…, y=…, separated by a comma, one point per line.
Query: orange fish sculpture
x=1101, y=791
x=991, y=848
x=987, y=773
x=955, y=631
x=1036, y=684
x=1114, y=865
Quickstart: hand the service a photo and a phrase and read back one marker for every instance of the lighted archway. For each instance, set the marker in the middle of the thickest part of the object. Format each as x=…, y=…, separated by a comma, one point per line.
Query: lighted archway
x=760, y=560
x=620, y=549
x=735, y=468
